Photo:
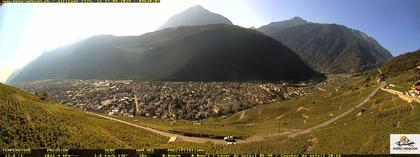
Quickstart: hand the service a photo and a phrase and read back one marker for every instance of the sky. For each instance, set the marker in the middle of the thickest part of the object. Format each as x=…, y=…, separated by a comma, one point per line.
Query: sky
x=28, y=30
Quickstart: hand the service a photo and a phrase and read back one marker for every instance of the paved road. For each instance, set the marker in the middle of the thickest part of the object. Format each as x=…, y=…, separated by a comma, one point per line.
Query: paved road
x=163, y=133
x=254, y=138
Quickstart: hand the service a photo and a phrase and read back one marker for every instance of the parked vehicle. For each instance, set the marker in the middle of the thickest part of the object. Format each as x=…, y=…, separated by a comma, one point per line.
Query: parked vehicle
x=230, y=139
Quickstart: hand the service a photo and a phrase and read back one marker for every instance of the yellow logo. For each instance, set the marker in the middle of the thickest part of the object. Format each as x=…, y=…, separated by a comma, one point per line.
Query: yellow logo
x=404, y=141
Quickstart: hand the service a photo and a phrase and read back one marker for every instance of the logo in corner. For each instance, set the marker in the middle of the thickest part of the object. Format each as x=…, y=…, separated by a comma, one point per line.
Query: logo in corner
x=404, y=143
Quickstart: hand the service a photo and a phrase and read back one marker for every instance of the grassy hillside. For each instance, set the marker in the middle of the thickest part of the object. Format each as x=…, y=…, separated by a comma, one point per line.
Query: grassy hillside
x=368, y=133
x=28, y=122
x=402, y=70
x=364, y=133
x=384, y=114
x=401, y=64
x=338, y=96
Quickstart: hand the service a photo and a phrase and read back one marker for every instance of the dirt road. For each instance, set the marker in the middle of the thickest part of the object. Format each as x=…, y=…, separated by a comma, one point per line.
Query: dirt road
x=242, y=116
x=254, y=138
x=338, y=116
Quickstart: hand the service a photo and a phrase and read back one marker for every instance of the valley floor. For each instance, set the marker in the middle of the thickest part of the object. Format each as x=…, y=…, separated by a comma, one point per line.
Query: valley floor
x=329, y=120
x=253, y=138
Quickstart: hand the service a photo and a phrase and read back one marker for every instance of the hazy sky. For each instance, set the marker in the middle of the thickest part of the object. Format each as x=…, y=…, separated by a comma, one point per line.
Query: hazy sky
x=27, y=30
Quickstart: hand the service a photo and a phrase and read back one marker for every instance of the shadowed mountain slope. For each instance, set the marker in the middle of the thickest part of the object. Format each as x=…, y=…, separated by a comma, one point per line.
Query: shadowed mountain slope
x=191, y=53
x=329, y=48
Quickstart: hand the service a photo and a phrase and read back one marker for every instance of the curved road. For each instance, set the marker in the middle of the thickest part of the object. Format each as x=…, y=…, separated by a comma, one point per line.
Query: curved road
x=249, y=139
x=338, y=116
x=163, y=133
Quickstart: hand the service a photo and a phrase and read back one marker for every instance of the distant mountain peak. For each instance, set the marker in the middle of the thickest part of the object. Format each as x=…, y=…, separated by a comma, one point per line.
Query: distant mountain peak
x=331, y=48
x=297, y=18
x=193, y=16
x=216, y=52
x=297, y=21
x=197, y=7
x=279, y=25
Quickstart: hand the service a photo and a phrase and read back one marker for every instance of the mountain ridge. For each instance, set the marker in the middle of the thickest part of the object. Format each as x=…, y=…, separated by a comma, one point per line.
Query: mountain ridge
x=216, y=52
x=193, y=16
x=402, y=63
x=329, y=48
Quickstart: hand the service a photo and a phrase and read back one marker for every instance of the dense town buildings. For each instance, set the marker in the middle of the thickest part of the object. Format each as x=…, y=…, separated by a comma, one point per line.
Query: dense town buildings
x=173, y=100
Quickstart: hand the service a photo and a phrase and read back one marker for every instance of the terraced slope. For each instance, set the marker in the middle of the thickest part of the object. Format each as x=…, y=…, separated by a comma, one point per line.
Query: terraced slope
x=28, y=122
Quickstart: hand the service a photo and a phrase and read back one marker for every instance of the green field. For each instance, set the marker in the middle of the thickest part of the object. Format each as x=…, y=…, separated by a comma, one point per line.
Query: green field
x=338, y=97
x=28, y=122
x=368, y=133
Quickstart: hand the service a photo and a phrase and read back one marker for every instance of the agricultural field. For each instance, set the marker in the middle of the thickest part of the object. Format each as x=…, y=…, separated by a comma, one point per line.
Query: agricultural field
x=403, y=82
x=325, y=101
x=29, y=122
x=369, y=132
x=365, y=130
x=274, y=145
